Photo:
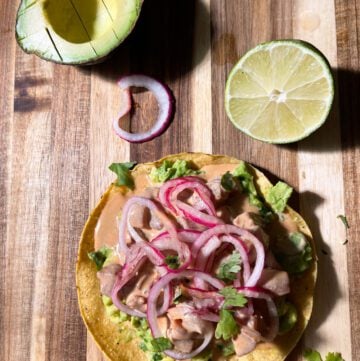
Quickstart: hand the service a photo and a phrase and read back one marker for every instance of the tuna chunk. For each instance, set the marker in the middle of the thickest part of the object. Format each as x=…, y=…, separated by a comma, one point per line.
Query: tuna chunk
x=139, y=216
x=219, y=193
x=185, y=326
x=137, y=300
x=224, y=213
x=142, y=217
x=107, y=278
x=246, y=341
x=137, y=291
x=253, y=223
x=184, y=346
x=275, y=281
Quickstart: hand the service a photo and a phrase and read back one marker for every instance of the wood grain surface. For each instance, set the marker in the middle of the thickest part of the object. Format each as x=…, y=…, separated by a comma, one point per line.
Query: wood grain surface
x=56, y=143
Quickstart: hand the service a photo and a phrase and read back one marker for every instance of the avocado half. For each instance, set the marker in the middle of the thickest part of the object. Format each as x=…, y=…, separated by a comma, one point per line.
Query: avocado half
x=74, y=31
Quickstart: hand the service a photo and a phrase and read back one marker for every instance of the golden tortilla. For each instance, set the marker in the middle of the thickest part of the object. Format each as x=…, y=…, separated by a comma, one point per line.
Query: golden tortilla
x=122, y=345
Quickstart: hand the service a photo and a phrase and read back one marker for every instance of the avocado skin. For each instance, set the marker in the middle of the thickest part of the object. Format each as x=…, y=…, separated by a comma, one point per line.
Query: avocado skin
x=83, y=62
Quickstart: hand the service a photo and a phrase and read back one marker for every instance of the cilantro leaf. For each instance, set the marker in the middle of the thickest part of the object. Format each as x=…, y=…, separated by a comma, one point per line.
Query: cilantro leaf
x=228, y=349
x=312, y=355
x=169, y=170
x=227, y=182
x=99, y=257
x=247, y=183
x=278, y=196
x=227, y=326
x=177, y=296
x=232, y=297
x=124, y=177
x=160, y=344
x=344, y=220
x=334, y=356
x=157, y=357
x=245, y=177
x=172, y=261
x=230, y=267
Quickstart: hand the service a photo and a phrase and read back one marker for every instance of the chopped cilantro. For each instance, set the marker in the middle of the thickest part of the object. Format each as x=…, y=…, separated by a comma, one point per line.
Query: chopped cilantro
x=247, y=183
x=278, y=196
x=228, y=349
x=344, y=220
x=227, y=326
x=157, y=357
x=143, y=346
x=228, y=182
x=124, y=177
x=99, y=257
x=230, y=267
x=334, y=356
x=160, y=344
x=312, y=355
x=177, y=296
x=172, y=261
x=169, y=170
x=233, y=298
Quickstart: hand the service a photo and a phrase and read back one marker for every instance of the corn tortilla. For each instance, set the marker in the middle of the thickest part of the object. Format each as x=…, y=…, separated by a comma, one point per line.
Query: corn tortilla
x=122, y=345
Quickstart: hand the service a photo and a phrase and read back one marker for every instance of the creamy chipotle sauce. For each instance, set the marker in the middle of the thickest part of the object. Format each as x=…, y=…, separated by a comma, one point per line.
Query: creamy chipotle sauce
x=106, y=231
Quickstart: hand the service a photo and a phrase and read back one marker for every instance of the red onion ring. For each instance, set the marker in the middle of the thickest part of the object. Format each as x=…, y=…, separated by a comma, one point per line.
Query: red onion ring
x=254, y=293
x=123, y=223
x=184, y=235
x=207, y=315
x=228, y=229
x=152, y=314
x=181, y=248
x=197, y=216
x=165, y=190
x=200, y=188
x=127, y=273
x=165, y=102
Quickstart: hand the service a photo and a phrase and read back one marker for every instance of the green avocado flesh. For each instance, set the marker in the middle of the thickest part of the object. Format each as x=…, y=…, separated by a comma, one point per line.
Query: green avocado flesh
x=74, y=31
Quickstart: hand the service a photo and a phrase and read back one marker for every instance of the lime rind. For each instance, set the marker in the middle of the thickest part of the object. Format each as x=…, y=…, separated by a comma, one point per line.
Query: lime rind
x=305, y=49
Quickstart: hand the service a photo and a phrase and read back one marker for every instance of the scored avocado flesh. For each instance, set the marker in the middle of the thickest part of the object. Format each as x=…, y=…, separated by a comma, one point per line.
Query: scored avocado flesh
x=74, y=31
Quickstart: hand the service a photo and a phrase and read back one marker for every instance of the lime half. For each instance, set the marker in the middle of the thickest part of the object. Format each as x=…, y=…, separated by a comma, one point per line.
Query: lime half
x=280, y=92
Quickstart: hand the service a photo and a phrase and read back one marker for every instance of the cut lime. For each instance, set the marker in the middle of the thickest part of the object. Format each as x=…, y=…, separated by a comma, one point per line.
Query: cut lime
x=280, y=92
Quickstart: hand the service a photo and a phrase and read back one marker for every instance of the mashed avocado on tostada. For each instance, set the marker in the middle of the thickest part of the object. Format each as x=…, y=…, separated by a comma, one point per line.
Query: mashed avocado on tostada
x=197, y=257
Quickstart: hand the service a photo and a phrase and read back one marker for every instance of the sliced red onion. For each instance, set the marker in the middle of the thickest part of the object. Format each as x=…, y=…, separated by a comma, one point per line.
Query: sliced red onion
x=201, y=190
x=181, y=248
x=204, y=257
x=155, y=257
x=228, y=229
x=167, y=293
x=165, y=189
x=165, y=102
x=240, y=247
x=197, y=216
x=184, y=235
x=152, y=314
x=177, y=355
x=254, y=293
x=123, y=224
x=207, y=315
x=127, y=273
x=170, y=185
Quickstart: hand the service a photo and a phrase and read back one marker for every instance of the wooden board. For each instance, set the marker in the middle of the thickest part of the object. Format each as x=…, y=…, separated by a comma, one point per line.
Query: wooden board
x=56, y=143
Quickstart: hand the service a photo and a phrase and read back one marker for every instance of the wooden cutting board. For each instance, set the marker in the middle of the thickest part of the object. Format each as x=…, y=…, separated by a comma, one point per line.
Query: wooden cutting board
x=56, y=143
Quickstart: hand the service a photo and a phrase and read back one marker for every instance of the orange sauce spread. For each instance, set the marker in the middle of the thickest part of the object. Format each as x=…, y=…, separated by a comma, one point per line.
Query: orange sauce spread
x=106, y=231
